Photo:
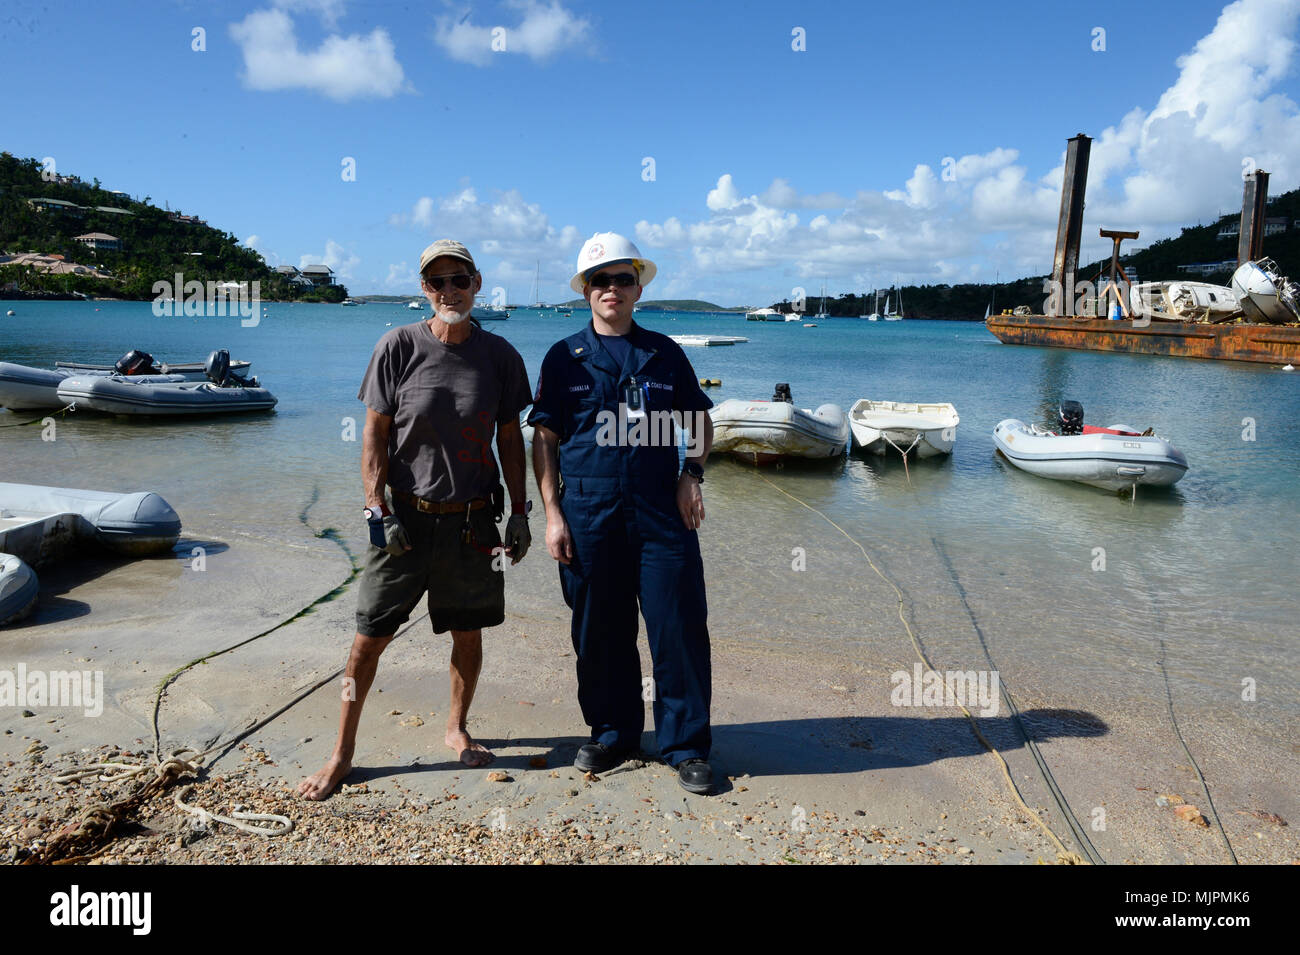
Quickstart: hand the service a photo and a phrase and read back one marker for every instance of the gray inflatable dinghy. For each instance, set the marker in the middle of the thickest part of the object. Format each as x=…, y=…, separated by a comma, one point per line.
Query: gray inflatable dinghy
x=223, y=393
x=39, y=524
x=24, y=388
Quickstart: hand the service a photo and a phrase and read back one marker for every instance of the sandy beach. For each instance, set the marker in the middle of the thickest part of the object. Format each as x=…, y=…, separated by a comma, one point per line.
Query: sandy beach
x=817, y=764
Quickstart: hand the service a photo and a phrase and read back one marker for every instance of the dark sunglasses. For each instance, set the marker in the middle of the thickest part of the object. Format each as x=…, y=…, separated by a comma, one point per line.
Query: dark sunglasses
x=621, y=279
x=461, y=281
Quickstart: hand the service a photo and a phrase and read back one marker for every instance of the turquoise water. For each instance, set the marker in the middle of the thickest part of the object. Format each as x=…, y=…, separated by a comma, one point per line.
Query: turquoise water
x=1209, y=566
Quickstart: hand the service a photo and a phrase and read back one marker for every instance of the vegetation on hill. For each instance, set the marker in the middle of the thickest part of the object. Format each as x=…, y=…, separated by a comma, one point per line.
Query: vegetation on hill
x=156, y=245
x=1158, y=262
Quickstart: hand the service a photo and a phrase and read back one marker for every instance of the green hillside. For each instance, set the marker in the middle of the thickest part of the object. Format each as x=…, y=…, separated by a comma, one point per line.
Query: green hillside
x=1159, y=261
x=156, y=244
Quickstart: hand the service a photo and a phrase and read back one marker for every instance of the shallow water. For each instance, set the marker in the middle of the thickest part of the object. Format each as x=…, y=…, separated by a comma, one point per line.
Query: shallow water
x=1210, y=566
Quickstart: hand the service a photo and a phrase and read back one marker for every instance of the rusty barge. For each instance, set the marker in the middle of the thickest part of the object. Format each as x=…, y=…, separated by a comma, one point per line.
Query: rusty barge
x=1271, y=344
x=1062, y=327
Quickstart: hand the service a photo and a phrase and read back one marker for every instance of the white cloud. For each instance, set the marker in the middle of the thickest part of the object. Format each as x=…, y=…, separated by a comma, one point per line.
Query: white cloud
x=1155, y=170
x=510, y=238
x=254, y=242
x=402, y=278
x=544, y=31
x=329, y=11
x=1182, y=160
x=336, y=257
x=723, y=196
x=781, y=195
x=922, y=189
x=342, y=68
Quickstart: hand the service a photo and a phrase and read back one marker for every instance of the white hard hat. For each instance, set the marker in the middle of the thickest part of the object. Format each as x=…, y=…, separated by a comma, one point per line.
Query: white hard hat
x=607, y=248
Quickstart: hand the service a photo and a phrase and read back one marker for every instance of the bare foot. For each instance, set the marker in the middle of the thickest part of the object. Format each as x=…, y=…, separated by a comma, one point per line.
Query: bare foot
x=321, y=784
x=470, y=752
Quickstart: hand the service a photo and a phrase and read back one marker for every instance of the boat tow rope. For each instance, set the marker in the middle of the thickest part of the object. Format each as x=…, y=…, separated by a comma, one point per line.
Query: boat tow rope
x=60, y=412
x=1076, y=827
x=91, y=833
x=890, y=441
x=1064, y=855
x=1205, y=787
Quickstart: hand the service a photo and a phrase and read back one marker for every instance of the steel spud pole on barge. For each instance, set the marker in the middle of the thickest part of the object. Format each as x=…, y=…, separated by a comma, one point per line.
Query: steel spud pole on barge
x=1229, y=341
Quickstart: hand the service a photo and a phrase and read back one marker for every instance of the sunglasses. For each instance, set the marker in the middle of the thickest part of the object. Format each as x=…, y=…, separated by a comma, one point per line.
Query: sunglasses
x=621, y=279
x=461, y=281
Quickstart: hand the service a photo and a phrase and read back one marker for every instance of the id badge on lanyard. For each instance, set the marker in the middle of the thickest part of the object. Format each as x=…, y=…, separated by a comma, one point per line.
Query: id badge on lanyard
x=635, y=398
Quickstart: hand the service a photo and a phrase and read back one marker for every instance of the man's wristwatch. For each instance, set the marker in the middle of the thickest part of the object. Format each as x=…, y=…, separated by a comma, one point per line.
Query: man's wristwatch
x=694, y=470
x=523, y=509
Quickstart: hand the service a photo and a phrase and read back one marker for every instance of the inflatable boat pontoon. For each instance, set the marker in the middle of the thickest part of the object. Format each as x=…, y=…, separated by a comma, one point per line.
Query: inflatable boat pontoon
x=23, y=388
x=1113, y=458
x=39, y=524
x=765, y=431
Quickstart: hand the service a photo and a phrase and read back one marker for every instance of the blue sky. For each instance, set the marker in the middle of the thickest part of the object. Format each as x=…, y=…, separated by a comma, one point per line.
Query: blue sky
x=918, y=142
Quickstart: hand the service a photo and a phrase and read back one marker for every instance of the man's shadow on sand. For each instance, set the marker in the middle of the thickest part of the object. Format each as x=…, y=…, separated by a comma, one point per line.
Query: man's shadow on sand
x=804, y=747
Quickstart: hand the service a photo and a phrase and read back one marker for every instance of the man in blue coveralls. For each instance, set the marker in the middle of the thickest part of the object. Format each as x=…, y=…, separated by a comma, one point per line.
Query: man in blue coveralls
x=622, y=514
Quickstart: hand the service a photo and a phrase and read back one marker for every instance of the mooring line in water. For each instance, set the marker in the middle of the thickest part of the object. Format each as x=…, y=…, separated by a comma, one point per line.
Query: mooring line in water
x=1063, y=854
x=1149, y=592
x=1205, y=787
x=98, y=822
x=61, y=412
x=1063, y=805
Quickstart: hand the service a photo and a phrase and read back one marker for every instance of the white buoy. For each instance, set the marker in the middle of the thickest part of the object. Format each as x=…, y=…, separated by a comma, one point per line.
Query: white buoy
x=1287, y=367
x=10, y=313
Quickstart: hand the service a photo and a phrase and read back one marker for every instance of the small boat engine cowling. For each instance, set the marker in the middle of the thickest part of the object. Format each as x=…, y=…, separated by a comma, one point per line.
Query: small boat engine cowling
x=783, y=394
x=217, y=367
x=137, y=362
x=1070, y=417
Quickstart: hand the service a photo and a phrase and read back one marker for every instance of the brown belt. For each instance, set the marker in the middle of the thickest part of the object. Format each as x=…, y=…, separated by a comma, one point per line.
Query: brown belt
x=426, y=506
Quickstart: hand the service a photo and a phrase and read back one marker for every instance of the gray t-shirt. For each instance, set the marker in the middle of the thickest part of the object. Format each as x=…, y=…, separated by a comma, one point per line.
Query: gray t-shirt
x=446, y=402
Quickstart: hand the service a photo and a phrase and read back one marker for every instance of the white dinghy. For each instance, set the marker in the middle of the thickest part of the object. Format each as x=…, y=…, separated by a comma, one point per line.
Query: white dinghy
x=1113, y=458
x=766, y=431
x=929, y=429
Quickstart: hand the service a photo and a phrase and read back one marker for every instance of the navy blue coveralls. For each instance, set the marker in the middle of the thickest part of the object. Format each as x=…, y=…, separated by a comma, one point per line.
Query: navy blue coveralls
x=629, y=540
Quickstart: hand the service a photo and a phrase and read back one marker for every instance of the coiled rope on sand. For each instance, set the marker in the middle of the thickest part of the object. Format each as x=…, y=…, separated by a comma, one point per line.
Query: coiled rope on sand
x=92, y=831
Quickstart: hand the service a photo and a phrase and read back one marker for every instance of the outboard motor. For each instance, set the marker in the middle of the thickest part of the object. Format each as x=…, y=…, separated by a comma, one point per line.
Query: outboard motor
x=783, y=394
x=1070, y=417
x=217, y=367
x=136, y=362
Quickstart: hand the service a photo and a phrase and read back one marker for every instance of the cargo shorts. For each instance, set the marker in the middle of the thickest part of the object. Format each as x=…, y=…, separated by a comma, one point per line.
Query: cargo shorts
x=465, y=583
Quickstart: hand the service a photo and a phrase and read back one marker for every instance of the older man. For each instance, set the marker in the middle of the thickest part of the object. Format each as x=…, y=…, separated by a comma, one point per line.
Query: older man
x=611, y=402
x=435, y=392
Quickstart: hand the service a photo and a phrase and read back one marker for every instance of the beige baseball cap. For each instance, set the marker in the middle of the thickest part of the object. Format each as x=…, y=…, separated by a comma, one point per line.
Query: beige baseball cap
x=448, y=247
